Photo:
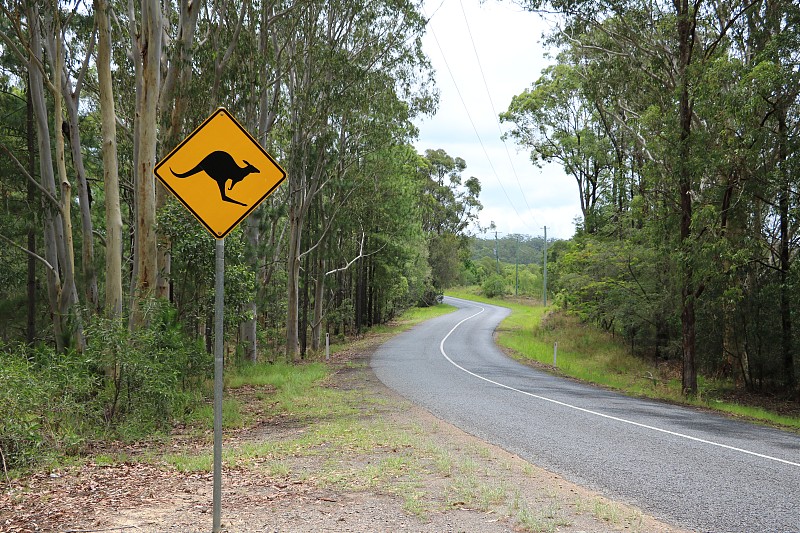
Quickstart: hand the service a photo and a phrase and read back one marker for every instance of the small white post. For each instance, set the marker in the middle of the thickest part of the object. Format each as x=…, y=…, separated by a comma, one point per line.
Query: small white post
x=555, y=352
x=327, y=346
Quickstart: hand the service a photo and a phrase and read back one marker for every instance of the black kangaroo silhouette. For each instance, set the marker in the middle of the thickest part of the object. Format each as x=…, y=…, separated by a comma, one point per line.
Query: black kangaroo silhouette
x=221, y=167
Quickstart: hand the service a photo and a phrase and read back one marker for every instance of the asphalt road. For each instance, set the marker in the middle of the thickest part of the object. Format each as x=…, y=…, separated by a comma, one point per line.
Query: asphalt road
x=687, y=467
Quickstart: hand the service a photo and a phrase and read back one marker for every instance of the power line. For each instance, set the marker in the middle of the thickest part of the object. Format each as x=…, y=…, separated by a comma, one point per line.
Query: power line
x=472, y=123
x=494, y=110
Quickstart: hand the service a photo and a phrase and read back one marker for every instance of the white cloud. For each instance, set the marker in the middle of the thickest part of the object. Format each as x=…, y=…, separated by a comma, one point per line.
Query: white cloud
x=508, y=43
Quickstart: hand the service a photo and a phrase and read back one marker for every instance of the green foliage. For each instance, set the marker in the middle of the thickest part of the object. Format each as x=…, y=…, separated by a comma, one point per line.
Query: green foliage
x=446, y=251
x=127, y=384
x=193, y=269
x=46, y=403
x=449, y=206
x=153, y=375
x=494, y=286
x=684, y=162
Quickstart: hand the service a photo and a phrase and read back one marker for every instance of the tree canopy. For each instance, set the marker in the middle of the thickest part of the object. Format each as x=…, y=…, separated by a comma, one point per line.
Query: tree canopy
x=679, y=123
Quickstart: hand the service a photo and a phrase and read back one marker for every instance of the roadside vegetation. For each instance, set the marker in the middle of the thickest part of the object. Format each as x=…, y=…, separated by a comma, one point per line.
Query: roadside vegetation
x=53, y=410
x=107, y=281
x=590, y=354
x=320, y=428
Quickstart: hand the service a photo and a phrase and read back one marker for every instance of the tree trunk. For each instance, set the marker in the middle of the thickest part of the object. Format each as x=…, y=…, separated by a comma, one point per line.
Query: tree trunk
x=688, y=292
x=319, y=288
x=360, y=297
x=249, y=326
x=51, y=223
x=87, y=243
x=293, y=288
x=173, y=101
x=113, y=299
x=69, y=293
x=370, y=292
x=30, y=332
x=785, y=257
x=146, y=245
x=304, y=314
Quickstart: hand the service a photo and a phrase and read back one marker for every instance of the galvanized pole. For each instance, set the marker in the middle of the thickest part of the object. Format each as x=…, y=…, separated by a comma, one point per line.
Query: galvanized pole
x=496, y=252
x=544, y=292
x=219, y=310
x=516, y=269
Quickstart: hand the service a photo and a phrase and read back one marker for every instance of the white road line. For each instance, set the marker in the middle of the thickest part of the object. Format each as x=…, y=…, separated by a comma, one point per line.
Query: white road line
x=588, y=411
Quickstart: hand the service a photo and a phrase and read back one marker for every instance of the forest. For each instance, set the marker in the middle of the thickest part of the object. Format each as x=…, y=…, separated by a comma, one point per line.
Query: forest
x=106, y=298
x=679, y=122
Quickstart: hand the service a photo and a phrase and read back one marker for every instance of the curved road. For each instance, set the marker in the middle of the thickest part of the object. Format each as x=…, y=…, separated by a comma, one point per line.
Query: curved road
x=694, y=469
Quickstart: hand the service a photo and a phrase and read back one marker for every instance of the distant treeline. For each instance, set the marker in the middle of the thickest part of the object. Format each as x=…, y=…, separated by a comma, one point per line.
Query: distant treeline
x=512, y=248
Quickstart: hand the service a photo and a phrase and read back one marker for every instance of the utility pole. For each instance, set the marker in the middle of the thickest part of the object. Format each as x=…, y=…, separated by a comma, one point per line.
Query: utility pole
x=516, y=268
x=496, y=252
x=544, y=292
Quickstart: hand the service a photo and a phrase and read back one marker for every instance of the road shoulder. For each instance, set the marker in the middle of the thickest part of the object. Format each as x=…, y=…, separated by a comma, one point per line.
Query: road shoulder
x=385, y=464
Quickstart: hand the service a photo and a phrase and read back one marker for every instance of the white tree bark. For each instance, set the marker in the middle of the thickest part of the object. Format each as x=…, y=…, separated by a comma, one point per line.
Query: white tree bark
x=147, y=118
x=173, y=102
x=69, y=293
x=72, y=101
x=113, y=297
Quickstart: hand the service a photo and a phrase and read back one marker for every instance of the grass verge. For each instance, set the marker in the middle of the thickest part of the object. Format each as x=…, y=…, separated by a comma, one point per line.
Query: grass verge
x=588, y=354
x=296, y=395
x=321, y=437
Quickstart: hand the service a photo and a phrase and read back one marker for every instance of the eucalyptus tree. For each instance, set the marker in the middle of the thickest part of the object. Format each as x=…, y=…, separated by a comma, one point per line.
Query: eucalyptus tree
x=256, y=74
x=339, y=51
x=669, y=114
x=26, y=36
x=113, y=214
x=146, y=38
x=556, y=121
x=450, y=206
x=75, y=45
x=772, y=33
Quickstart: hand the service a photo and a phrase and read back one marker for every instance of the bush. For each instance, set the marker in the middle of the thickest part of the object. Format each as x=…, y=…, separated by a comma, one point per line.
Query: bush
x=494, y=286
x=152, y=374
x=45, y=403
x=126, y=384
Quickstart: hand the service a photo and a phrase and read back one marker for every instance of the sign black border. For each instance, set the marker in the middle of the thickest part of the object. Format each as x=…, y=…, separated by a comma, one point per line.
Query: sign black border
x=187, y=206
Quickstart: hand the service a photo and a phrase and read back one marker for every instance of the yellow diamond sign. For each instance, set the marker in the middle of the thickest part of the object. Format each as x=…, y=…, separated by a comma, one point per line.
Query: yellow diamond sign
x=220, y=173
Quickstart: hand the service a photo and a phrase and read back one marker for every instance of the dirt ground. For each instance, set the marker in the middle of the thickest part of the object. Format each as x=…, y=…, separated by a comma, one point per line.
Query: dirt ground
x=439, y=479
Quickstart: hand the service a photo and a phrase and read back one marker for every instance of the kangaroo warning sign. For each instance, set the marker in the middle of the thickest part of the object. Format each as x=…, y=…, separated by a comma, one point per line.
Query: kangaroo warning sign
x=220, y=173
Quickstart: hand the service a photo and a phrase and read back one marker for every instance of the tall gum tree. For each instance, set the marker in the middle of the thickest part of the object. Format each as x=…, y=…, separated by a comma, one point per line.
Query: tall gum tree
x=682, y=38
x=113, y=214
x=339, y=46
x=147, y=47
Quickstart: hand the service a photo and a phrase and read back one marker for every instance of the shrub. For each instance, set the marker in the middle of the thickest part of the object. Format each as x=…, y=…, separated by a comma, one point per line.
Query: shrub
x=151, y=373
x=494, y=286
x=45, y=403
x=126, y=384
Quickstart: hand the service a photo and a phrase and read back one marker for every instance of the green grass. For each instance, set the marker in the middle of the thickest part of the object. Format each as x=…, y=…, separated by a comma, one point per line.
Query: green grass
x=415, y=315
x=286, y=378
x=190, y=463
x=588, y=354
x=232, y=416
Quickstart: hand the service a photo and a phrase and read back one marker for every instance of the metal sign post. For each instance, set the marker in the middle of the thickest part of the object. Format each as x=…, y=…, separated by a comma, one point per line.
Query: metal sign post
x=219, y=321
x=197, y=172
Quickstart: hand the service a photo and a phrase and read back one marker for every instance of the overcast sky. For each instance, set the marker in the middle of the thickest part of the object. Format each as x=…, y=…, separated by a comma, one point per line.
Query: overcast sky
x=516, y=195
